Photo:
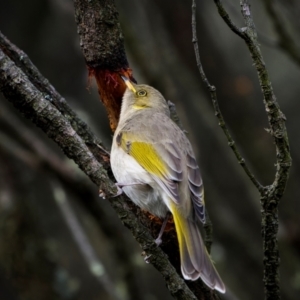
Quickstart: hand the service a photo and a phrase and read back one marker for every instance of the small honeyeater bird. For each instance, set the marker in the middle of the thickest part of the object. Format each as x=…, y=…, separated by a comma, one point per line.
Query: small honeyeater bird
x=154, y=163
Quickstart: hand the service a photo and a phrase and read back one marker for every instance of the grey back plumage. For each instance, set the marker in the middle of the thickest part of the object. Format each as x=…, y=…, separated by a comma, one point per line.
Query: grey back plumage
x=147, y=121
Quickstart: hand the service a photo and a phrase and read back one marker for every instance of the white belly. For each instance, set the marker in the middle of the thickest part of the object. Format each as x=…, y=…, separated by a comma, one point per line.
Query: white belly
x=146, y=194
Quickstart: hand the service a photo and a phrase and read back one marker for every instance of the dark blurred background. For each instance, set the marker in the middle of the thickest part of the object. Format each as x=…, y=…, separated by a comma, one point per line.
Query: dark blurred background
x=51, y=247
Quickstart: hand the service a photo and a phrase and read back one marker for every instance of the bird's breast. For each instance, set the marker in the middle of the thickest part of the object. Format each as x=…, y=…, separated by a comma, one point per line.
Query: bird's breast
x=139, y=185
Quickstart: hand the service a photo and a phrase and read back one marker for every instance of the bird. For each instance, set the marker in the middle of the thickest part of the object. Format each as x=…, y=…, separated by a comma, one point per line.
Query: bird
x=154, y=164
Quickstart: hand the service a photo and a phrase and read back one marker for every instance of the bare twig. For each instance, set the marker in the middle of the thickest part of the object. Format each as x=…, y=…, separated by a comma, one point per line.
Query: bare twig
x=213, y=95
x=10, y=147
x=286, y=41
x=262, y=37
x=273, y=193
x=95, y=265
x=43, y=153
x=223, y=13
x=270, y=195
x=275, y=116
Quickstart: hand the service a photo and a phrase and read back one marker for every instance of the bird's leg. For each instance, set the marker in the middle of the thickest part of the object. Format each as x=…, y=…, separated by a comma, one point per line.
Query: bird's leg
x=158, y=240
x=120, y=186
x=119, y=192
x=104, y=150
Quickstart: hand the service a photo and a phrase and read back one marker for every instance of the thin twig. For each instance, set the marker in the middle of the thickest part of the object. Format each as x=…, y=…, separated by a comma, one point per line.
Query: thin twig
x=262, y=37
x=214, y=99
x=95, y=265
x=223, y=13
x=9, y=146
x=44, y=154
x=275, y=116
x=270, y=195
x=286, y=41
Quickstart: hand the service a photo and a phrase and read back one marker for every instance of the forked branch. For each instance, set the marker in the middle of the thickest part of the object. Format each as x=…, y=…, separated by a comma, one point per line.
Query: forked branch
x=270, y=194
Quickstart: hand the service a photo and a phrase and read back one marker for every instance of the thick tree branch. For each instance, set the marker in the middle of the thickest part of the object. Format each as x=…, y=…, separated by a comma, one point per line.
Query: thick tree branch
x=18, y=89
x=42, y=84
x=106, y=60
x=101, y=41
x=35, y=105
x=44, y=159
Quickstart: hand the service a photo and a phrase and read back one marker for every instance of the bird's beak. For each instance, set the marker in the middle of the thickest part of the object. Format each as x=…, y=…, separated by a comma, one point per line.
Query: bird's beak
x=129, y=84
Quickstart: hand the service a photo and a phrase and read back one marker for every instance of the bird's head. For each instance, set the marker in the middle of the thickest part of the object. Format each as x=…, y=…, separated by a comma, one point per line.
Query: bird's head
x=143, y=97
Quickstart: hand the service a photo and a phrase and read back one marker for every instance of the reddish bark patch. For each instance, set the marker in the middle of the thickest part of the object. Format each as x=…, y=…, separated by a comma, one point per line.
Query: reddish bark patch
x=111, y=88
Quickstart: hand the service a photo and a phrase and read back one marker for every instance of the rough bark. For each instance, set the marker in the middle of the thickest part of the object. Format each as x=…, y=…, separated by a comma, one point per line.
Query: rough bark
x=40, y=109
x=102, y=44
x=106, y=59
x=270, y=194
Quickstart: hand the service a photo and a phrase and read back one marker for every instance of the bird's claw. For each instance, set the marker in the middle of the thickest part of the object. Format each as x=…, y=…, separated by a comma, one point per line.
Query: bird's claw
x=119, y=191
x=102, y=194
x=158, y=241
x=146, y=257
x=120, y=186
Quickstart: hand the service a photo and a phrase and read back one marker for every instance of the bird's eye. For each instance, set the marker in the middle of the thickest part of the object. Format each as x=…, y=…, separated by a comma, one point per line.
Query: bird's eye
x=141, y=93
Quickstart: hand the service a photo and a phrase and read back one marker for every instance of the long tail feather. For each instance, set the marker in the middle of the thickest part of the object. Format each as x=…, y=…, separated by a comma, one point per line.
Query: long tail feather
x=195, y=261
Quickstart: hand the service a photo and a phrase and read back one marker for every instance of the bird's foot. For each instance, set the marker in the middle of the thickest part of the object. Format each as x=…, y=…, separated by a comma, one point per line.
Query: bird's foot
x=146, y=257
x=158, y=241
x=121, y=185
x=102, y=194
x=119, y=191
x=104, y=150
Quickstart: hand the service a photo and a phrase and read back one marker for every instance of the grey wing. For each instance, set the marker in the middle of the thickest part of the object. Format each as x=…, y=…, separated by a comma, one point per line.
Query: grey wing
x=172, y=158
x=169, y=178
x=196, y=186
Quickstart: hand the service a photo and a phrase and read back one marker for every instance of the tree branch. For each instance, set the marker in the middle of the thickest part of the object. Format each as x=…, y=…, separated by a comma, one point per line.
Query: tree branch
x=102, y=44
x=42, y=84
x=213, y=94
x=286, y=42
x=37, y=107
x=106, y=64
x=43, y=158
x=270, y=195
x=95, y=265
